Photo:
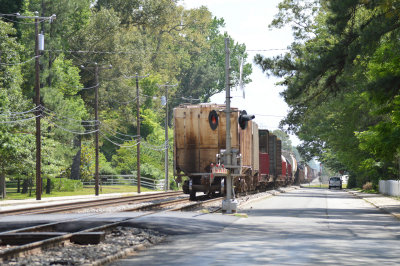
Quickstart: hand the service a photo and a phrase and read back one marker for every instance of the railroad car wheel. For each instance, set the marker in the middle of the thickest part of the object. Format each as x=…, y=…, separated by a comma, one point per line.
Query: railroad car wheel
x=185, y=187
x=193, y=195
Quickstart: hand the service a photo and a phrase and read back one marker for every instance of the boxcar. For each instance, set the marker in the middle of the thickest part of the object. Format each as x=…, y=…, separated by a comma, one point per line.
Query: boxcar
x=199, y=141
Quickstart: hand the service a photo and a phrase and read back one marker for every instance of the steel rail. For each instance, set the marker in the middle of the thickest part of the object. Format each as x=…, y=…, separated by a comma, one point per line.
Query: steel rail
x=86, y=204
x=195, y=204
x=157, y=205
x=58, y=240
x=39, y=245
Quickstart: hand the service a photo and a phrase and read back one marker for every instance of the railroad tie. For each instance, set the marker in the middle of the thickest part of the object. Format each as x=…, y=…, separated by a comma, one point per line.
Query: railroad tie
x=22, y=238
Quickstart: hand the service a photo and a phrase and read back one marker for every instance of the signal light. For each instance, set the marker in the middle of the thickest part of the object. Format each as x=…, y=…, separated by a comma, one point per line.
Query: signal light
x=243, y=118
x=213, y=119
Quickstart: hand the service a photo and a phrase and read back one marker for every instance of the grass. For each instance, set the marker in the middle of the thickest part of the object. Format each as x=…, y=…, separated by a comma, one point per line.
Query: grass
x=316, y=186
x=241, y=215
x=368, y=191
x=13, y=195
x=321, y=185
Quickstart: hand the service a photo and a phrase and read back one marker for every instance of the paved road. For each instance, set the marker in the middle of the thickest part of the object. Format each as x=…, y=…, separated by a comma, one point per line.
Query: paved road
x=301, y=227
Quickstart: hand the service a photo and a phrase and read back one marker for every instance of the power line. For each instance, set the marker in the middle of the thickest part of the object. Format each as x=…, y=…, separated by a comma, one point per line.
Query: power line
x=72, y=131
x=18, y=113
x=267, y=50
x=48, y=111
x=130, y=101
x=117, y=144
x=18, y=121
x=134, y=53
x=20, y=63
x=9, y=15
x=19, y=22
x=146, y=145
x=154, y=146
x=88, y=88
x=16, y=117
x=270, y=115
x=124, y=140
x=118, y=133
x=90, y=52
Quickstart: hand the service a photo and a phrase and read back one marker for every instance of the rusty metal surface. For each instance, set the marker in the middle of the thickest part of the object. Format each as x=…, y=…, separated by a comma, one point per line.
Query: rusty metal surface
x=195, y=142
x=246, y=145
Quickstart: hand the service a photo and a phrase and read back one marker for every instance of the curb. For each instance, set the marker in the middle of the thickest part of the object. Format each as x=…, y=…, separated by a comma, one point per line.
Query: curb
x=375, y=205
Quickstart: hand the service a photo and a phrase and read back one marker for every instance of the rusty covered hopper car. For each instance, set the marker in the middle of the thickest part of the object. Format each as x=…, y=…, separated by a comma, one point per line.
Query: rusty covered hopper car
x=200, y=136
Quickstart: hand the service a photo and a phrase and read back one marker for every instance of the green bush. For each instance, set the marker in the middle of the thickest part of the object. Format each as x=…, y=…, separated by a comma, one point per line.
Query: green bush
x=352, y=182
x=63, y=184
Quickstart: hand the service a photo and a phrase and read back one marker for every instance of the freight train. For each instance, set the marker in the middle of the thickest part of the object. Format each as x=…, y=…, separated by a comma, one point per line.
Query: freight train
x=257, y=163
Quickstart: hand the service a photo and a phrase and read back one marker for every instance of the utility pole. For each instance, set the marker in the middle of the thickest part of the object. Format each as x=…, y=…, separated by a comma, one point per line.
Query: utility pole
x=137, y=77
x=228, y=204
x=138, y=133
x=166, y=185
x=96, y=118
x=166, y=140
x=38, y=113
x=37, y=101
x=96, y=136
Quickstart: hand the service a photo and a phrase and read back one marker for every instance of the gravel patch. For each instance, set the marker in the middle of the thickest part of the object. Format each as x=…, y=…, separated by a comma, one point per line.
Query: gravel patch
x=120, y=242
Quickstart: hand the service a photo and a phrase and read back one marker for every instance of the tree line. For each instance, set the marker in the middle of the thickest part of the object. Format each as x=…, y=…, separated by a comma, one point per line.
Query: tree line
x=342, y=83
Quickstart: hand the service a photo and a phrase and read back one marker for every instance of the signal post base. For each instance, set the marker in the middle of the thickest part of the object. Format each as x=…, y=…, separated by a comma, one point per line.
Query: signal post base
x=229, y=206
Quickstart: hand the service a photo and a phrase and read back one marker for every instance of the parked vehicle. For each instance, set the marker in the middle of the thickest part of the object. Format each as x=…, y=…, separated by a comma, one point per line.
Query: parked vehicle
x=335, y=181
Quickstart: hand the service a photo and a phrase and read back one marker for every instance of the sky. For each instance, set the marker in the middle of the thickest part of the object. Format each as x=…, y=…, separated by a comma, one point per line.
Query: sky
x=246, y=21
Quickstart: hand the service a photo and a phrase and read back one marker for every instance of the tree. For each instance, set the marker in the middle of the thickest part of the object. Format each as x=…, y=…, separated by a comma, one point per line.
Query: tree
x=14, y=147
x=161, y=38
x=341, y=53
x=286, y=142
x=205, y=76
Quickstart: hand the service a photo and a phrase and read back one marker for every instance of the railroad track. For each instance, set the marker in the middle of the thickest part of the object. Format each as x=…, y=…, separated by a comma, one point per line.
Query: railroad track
x=193, y=205
x=64, y=207
x=187, y=205
x=31, y=239
x=90, y=235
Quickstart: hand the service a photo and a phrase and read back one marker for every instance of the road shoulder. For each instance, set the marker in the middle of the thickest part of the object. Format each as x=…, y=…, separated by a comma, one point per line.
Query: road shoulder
x=385, y=203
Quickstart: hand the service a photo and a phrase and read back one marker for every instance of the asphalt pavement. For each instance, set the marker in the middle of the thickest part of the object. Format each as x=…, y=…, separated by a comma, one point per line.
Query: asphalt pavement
x=305, y=226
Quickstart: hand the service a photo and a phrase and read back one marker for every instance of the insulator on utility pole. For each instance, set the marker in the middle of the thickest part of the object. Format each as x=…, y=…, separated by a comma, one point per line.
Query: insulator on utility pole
x=163, y=100
x=41, y=41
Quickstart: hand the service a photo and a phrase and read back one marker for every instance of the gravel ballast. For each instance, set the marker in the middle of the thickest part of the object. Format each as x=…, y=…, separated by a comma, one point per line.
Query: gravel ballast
x=120, y=242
